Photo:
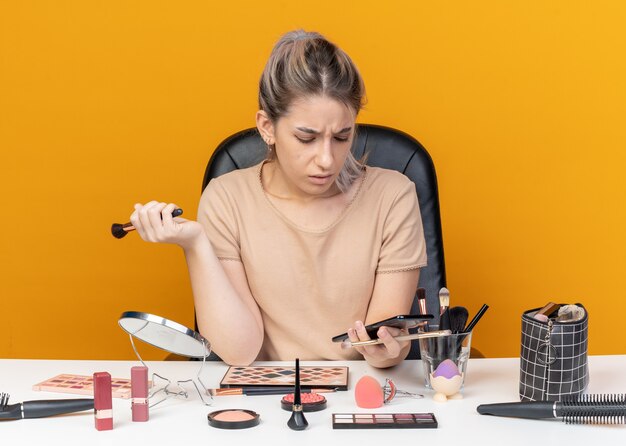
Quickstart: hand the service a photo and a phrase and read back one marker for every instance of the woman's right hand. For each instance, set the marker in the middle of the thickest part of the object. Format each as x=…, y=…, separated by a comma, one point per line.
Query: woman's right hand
x=154, y=223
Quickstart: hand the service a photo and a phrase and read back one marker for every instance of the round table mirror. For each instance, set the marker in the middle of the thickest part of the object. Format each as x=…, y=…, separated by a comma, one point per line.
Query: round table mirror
x=165, y=334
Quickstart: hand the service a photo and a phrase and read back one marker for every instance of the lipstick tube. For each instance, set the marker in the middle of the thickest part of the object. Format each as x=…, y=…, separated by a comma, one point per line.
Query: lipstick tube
x=139, y=393
x=103, y=401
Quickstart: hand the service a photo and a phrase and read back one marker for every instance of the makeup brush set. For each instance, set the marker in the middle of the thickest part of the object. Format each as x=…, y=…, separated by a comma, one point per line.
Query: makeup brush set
x=450, y=318
x=445, y=358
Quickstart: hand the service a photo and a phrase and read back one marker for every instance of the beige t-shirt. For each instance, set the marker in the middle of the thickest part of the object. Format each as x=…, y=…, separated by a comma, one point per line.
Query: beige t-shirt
x=313, y=285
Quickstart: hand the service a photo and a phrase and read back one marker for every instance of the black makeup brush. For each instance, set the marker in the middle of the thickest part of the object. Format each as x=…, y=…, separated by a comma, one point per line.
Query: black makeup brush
x=120, y=230
x=476, y=318
x=458, y=319
x=297, y=422
x=584, y=409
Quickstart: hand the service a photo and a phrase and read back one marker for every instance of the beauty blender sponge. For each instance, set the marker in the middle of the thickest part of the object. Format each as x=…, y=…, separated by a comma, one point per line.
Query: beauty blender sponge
x=447, y=369
x=368, y=393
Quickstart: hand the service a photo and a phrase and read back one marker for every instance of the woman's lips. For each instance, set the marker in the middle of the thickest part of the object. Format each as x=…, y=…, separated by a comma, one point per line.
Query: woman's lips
x=320, y=179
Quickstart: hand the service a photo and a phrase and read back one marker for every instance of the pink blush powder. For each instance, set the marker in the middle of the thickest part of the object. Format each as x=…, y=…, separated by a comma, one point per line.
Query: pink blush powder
x=233, y=419
x=233, y=415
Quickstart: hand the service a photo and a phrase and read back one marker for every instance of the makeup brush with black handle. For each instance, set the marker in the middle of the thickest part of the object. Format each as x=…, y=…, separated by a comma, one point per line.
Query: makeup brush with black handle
x=458, y=319
x=585, y=409
x=120, y=230
x=41, y=408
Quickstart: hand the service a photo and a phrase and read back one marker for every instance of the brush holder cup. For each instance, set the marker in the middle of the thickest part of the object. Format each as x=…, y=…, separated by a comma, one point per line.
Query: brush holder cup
x=446, y=358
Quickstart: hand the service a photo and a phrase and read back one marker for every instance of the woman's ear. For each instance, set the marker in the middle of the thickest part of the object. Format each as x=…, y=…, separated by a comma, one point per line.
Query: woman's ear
x=265, y=127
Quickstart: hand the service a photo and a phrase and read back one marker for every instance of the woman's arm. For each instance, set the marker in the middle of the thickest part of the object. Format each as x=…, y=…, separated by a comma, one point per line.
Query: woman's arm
x=227, y=314
x=393, y=295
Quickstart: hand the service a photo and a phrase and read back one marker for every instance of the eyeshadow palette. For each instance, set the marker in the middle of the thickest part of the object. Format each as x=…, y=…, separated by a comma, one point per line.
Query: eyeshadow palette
x=322, y=377
x=83, y=385
x=384, y=421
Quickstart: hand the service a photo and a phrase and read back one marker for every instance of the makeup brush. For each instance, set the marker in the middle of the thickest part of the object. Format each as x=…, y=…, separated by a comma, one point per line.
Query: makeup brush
x=584, y=409
x=120, y=230
x=409, y=337
x=297, y=421
x=252, y=391
x=444, y=303
x=476, y=318
x=421, y=305
x=41, y=408
x=458, y=319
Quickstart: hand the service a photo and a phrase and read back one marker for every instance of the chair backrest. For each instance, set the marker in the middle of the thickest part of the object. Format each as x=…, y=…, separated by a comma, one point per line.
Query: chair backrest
x=383, y=147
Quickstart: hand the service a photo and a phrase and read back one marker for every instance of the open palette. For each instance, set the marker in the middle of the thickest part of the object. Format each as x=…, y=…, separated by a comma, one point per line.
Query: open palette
x=83, y=385
x=323, y=377
x=384, y=421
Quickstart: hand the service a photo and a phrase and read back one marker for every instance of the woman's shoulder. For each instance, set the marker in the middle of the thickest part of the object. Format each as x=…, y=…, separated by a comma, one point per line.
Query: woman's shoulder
x=386, y=179
x=236, y=180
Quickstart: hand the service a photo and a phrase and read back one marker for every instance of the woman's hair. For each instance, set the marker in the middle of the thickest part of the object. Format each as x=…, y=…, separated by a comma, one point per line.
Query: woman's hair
x=306, y=64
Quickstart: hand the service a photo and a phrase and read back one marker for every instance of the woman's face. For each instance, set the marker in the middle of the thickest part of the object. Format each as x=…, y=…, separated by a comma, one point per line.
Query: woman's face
x=312, y=142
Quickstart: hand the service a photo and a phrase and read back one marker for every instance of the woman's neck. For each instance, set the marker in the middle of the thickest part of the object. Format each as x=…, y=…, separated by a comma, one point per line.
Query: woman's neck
x=278, y=186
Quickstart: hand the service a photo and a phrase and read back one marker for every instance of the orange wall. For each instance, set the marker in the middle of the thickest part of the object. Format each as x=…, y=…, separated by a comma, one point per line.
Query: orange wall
x=103, y=104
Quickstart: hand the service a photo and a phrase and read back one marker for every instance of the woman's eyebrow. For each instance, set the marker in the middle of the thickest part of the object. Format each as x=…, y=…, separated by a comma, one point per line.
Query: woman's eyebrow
x=315, y=132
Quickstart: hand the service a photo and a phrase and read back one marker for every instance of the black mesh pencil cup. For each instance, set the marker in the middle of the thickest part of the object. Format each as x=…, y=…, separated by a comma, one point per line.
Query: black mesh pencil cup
x=553, y=361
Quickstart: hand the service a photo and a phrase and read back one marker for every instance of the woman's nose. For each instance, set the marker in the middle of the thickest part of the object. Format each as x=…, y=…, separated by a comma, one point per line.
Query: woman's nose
x=324, y=156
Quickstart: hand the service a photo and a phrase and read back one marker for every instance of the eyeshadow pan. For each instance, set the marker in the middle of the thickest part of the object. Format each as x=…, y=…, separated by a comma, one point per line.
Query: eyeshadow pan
x=384, y=420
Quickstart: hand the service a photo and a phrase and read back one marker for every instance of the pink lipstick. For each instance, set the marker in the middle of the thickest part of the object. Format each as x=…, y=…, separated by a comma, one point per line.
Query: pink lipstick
x=139, y=393
x=103, y=401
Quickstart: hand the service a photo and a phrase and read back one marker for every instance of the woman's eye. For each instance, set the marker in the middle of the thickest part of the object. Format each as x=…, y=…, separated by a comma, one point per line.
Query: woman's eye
x=305, y=140
x=309, y=140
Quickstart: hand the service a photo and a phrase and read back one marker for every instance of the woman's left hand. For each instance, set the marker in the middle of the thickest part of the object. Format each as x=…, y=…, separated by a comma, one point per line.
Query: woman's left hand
x=389, y=353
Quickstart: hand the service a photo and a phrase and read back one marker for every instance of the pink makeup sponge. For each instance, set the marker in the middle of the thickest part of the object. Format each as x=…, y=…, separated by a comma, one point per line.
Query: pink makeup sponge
x=447, y=369
x=368, y=393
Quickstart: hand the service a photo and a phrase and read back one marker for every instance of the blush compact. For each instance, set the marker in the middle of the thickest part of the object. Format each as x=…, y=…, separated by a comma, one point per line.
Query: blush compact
x=233, y=419
x=311, y=402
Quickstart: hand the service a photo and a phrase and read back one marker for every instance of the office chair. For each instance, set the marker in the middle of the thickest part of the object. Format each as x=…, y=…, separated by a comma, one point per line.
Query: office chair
x=383, y=147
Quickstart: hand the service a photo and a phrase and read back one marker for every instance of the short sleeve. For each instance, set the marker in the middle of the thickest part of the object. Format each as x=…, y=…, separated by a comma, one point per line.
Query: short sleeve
x=217, y=214
x=403, y=245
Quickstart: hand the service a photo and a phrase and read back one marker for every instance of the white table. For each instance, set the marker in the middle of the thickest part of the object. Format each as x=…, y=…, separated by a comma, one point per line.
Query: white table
x=177, y=421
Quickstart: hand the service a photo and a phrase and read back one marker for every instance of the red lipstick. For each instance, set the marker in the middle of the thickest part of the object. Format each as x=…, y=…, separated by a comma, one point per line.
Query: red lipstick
x=103, y=401
x=139, y=393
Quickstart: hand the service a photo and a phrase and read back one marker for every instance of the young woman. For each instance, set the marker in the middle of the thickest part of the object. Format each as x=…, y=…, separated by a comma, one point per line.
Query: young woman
x=290, y=252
